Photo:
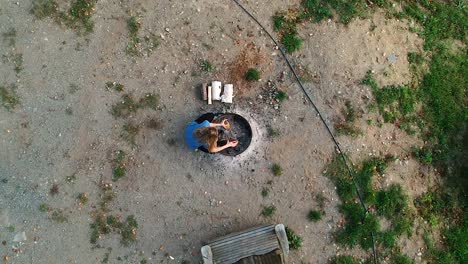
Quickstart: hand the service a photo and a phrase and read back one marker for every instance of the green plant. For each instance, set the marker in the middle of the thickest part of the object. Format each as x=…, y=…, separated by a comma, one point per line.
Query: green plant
x=150, y=100
x=115, y=86
x=44, y=208
x=44, y=8
x=119, y=169
x=265, y=192
x=272, y=132
x=277, y=169
x=314, y=215
x=58, y=216
x=291, y=41
x=83, y=198
x=9, y=97
x=280, y=96
x=347, y=130
x=206, y=66
x=125, y=107
x=10, y=37
x=401, y=259
x=269, y=211
x=295, y=241
x=129, y=133
x=133, y=25
x=252, y=75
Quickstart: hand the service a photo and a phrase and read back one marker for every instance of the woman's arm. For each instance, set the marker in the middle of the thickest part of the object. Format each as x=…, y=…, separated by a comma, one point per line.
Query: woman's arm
x=215, y=148
x=223, y=123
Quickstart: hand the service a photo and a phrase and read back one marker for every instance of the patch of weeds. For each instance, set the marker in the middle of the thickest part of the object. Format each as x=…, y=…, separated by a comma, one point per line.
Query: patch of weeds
x=295, y=241
x=9, y=97
x=277, y=169
x=424, y=154
x=58, y=216
x=11, y=229
x=129, y=133
x=395, y=103
x=269, y=211
x=171, y=142
x=106, y=258
x=73, y=88
x=390, y=203
x=128, y=231
x=272, y=132
x=252, y=75
x=128, y=105
x=320, y=199
x=125, y=107
x=280, y=96
x=344, y=260
x=206, y=66
x=149, y=100
x=78, y=17
x=71, y=178
x=44, y=208
x=119, y=170
x=154, y=123
x=265, y=192
x=83, y=198
x=10, y=37
x=314, y=215
x=291, y=41
x=114, y=86
x=347, y=130
x=133, y=25
x=68, y=110
x=402, y=259
x=144, y=261
x=54, y=190
x=416, y=58
x=44, y=8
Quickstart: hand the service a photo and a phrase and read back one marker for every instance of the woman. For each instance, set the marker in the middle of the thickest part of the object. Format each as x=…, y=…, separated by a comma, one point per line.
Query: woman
x=203, y=135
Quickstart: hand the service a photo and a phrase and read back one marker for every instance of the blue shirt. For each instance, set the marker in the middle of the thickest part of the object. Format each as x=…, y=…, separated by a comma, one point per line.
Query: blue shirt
x=192, y=142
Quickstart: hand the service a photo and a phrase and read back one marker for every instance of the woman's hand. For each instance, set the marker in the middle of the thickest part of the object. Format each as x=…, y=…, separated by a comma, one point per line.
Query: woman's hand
x=232, y=143
x=226, y=124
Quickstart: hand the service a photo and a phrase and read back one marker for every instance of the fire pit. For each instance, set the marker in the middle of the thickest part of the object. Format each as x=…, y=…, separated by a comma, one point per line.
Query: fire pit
x=240, y=130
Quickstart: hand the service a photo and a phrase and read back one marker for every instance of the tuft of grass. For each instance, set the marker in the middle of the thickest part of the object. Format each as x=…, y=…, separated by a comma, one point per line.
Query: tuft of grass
x=58, y=216
x=115, y=86
x=272, y=132
x=54, y=190
x=8, y=97
x=277, y=169
x=155, y=123
x=129, y=133
x=83, y=198
x=10, y=37
x=133, y=25
x=206, y=66
x=44, y=8
x=269, y=211
x=265, y=192
x=71, y=178
x=291, y=41
x=316, y=10
x=125, y=107
x=280, y=96
x=119, y=170
x=347, y=130
x=314, y=215
x=390, y=203
x=149, y=100
x=78, y=17
x=295, y=241
x=44, y=208
x=128, y=105
x=252, y=75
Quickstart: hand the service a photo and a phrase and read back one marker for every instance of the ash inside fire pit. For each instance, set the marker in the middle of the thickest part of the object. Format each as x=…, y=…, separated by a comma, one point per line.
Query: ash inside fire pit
x=240, y=130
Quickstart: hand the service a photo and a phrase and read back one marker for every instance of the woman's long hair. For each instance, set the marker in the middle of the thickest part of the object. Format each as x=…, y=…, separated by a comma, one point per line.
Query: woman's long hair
x=208, y=135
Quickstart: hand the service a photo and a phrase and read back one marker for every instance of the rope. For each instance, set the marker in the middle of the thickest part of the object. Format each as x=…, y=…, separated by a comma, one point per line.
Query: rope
x=337, y=145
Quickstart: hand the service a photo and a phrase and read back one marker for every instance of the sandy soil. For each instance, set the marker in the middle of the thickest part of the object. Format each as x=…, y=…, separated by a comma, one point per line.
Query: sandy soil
x=179, y=198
